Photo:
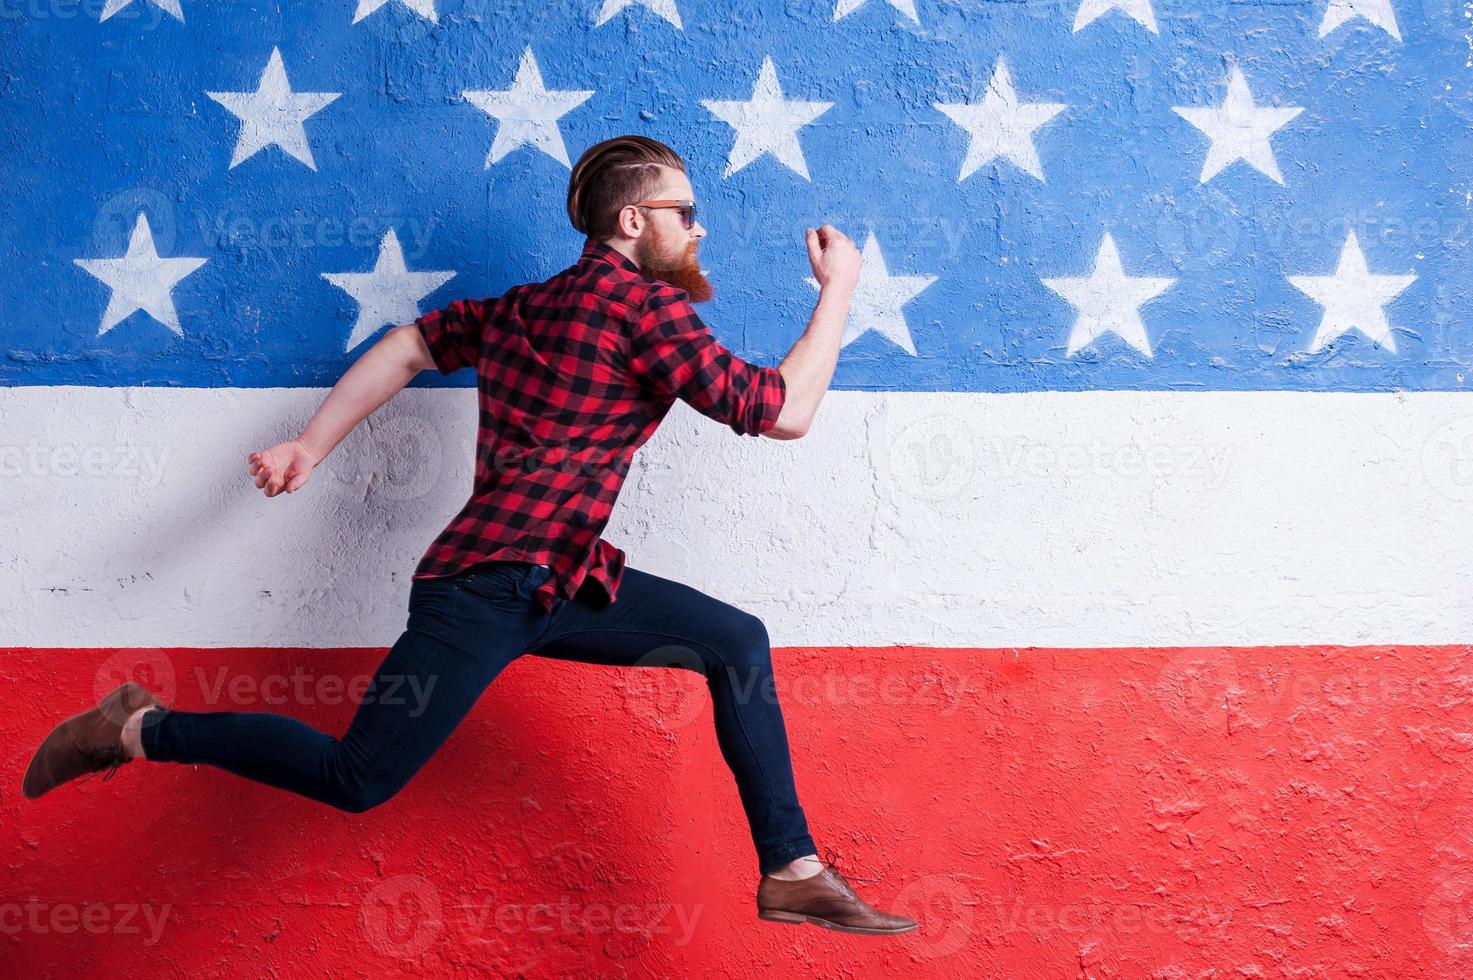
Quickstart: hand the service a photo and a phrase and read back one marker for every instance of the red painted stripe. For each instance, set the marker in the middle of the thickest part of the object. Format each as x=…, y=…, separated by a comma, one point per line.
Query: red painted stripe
x=1045, y=813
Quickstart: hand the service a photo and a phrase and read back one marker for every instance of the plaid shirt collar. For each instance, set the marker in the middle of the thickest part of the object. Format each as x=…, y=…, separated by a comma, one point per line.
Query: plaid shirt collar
x=602, y=251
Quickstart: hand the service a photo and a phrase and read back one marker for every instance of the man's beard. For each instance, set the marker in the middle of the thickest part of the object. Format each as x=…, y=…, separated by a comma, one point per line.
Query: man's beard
x=686, y=273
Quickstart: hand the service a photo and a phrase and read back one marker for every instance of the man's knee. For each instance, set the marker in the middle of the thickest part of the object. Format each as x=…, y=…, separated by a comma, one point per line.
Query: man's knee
x=359, y=796
x=747, y=645
x=357, y=788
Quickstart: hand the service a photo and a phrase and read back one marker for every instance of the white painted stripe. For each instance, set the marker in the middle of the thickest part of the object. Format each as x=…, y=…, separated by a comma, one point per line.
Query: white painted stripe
x=942, y=519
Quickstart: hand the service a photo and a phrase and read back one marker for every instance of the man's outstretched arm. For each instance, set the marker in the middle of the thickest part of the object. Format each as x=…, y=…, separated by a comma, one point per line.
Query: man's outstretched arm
x=675, y=355
x=374, y=378
x=809, y=366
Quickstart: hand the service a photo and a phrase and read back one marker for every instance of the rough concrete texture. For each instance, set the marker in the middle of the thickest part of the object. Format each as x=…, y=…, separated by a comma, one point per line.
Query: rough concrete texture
x=1122, y=813
x=941, y=519
x=1072, y=788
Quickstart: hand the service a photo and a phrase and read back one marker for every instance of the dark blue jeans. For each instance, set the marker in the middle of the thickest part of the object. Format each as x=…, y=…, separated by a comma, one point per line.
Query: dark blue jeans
x=461, y=632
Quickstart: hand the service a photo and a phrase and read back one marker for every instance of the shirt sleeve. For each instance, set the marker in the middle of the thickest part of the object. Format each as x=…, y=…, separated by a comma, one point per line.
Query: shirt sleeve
x=453, y=334
x=674, y=354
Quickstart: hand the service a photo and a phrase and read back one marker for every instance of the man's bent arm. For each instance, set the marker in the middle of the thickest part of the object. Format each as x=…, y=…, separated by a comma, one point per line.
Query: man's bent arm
x=373, y=379
x=809, y=366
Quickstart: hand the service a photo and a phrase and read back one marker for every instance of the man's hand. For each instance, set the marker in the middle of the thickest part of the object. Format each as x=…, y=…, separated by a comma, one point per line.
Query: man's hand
x=282, y=467
x=834, y=258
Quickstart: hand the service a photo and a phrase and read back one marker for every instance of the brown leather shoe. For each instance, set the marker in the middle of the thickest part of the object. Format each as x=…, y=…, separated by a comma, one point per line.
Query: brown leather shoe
x=827, y=900
x=88, y=742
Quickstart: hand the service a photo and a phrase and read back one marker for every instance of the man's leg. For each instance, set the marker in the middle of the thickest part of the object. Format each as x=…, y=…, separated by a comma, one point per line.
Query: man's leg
x=659, y=622
x=451, y=649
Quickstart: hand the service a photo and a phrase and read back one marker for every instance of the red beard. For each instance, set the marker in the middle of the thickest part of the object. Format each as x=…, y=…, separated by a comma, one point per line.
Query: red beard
x=686, y=275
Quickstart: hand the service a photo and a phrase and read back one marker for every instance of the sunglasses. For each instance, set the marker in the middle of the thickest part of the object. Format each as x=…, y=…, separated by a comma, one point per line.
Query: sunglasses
x=687, y=209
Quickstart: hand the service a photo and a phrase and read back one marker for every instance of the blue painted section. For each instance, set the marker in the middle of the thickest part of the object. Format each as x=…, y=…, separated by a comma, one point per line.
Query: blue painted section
x=102, y=119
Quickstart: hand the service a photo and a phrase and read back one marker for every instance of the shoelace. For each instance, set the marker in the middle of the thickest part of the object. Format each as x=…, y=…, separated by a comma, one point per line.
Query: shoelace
x=108, y=757
x=828, y=861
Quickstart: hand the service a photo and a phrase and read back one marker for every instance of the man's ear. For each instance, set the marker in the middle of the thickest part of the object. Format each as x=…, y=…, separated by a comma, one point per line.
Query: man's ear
x=631, y=222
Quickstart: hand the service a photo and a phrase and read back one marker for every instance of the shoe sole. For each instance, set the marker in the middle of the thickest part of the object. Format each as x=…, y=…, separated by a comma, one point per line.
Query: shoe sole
x=798, y=918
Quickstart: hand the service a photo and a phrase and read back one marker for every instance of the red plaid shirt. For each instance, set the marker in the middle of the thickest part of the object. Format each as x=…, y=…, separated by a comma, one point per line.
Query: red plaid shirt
x=574, y=374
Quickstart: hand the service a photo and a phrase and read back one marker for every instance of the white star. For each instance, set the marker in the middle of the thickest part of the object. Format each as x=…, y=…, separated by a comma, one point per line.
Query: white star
x=878, y=298
x=1140, y=10
x=167, y=6
x=1108, y=300
x=140, y=280
x=1000, y=125
x=767, y=123
x=1239, y=130
x=425, y=8
x=528, y=113
x=390, y=294
x=1352, y=297
x=273, y=114
x=906, y=7
x=1378, y=12
x=664, y=8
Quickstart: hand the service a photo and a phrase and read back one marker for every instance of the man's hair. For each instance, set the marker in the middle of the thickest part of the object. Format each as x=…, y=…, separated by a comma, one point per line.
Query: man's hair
x=614, y=173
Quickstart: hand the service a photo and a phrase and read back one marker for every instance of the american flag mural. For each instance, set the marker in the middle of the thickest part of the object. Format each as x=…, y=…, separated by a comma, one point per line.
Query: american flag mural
x=1119, y=593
